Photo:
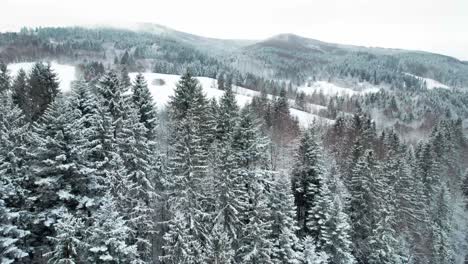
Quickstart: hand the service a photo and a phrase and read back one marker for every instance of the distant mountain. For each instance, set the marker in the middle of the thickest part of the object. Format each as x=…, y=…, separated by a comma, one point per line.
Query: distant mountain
x=218, y=46
x=284, y=56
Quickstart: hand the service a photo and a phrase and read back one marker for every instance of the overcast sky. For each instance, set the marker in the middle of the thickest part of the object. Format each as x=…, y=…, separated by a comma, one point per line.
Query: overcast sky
x=433, y=25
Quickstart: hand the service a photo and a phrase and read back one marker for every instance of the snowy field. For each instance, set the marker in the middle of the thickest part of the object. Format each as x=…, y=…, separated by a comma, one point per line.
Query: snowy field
x=162, y=87
x=66, y=73
x=331, y=89
x=430, y=83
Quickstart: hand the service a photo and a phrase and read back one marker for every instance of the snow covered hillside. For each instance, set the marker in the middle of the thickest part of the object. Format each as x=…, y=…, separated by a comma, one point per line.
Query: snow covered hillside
x=430, y=83
x=162, y=88
x=66, y=73
x=331, y=89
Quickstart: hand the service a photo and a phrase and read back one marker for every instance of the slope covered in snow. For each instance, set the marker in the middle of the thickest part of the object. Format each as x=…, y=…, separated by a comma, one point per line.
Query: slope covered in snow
x=65, y=73
x=430, y=83
x=162, y=87
x=331, y=89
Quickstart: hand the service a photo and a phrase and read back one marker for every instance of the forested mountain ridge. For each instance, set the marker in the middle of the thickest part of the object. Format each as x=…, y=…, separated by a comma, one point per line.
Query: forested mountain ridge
x=285, y=56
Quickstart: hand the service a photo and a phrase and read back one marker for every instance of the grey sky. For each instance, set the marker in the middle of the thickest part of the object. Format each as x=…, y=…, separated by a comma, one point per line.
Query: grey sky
x=433, y=25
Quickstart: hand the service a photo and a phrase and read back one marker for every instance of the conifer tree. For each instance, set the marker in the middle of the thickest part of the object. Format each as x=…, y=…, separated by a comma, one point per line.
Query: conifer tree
x=307, y=176
x=188, y=173
x=21, y=92
x=143, y=101
x=4, y=78
x=108, y=235
x=68, y=244
x=255, y=245
x=13, y=168
x=363, y=207
x=311, y=255
x=227, y=115
x=287, y=248
x=44, y=87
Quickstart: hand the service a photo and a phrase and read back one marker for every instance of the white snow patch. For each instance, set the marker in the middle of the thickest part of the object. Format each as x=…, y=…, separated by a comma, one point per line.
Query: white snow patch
x=331, y=89
x=430, y=83
x=65, y=73
x=307, y=119
x=162, y=87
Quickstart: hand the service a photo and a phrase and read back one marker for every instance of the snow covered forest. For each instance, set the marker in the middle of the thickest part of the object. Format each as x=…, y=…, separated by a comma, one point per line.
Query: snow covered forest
x=101, y=173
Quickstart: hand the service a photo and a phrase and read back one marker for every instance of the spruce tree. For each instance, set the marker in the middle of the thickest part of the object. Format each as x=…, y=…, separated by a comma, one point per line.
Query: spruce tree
x=21, y=93
x=188, y=169
x=68, y=244
x=255, y=244
x=106, y=239
x=43, y=87
x=311, y=255
x=4, y=78
x=287, y=248
x=143, y=101
x=364, y=204
x=307, y=176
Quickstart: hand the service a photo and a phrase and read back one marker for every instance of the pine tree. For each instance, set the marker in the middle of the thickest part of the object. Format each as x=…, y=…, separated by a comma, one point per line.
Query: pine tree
x=311, y=255
x=442, y=228
x=286, y=244
x=125, y=79
x=21, y=93
x=56, y=182
x=44, y=87
x=111, y=91
x=108, y=235
x=227, y=115
x=307, y=175
x=13, y=131
x=143, y=101
x=139, y=192
x=4, y=78
x=363, y=207
x=68, y=244
x=188, y=169
x=331, y=223
x=10, y=234
x=219, y=247
x=255, y=245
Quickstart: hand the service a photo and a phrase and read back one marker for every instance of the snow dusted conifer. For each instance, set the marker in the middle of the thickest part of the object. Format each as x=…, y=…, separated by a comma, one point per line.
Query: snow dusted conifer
x=43, y=88
x=5, y=79
x=255, y=245
x=143, y=101
x=188, y=168
x=139, y=192
x=363, y=203
x=68, y=244
x=56, y=182
x=12, y=177
x=227, y=115
x=287, y=249
x=219, y=247
x=10, y=234
x=107, y=237
x=332, y=225
x=21, y=93
x=112, y=98
x=307, y=175
x=311, y=255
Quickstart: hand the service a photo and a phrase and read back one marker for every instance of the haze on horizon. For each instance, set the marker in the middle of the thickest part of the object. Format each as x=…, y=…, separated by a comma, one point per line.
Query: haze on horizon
x=432, y=25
